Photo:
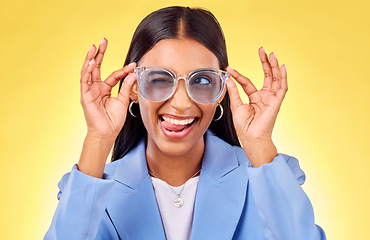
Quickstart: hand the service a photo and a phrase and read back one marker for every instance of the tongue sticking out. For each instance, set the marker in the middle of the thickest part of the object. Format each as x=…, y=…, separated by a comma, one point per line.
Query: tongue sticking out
x=173, y=127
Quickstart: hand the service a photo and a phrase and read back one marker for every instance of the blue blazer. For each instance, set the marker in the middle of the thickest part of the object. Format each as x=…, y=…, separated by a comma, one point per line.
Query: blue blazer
x=233, y=200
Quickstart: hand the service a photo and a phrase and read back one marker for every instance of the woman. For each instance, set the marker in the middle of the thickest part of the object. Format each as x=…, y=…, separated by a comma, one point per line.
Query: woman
x=178, y=171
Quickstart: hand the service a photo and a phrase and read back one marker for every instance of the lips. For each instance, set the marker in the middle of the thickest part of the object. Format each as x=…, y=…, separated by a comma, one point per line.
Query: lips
x=175, y=127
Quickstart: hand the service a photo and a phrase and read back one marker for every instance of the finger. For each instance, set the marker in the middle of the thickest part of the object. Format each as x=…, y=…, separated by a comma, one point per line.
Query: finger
x=284, y=82
x=124, y=92
x=89, y=56
x=246, y=84
x=267, y=71
x=86, y=80
x=235, y=100
x=99, y=59
x=276, y=74
x=116, y=76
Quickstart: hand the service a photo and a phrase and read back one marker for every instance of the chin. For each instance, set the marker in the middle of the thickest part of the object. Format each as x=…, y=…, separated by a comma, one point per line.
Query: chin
x=172, y=148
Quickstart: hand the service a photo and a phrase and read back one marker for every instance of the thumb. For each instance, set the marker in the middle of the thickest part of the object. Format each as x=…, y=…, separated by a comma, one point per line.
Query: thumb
x=124, y=92
x=235, y=100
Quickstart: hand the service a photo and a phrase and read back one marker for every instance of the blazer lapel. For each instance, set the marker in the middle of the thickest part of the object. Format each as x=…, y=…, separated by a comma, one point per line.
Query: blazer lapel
x=221, y=192
x=133, y=208
x=219, y=201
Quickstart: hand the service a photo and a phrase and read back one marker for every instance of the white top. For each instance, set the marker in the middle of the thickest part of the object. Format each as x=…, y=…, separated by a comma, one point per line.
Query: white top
x=177, y=222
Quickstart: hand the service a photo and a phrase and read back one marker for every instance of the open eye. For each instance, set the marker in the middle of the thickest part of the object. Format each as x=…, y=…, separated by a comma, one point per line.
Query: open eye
x=202, y=80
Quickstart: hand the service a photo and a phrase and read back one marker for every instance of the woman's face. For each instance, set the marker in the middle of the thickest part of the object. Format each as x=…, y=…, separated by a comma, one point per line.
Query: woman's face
x=165, y=121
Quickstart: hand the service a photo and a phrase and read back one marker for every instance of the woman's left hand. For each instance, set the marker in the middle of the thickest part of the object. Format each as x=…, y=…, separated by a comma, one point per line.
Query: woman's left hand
x=254, y=121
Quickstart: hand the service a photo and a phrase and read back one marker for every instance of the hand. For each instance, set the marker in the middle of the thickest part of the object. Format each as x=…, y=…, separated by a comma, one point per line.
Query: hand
x=254, y=121
x=105, y=115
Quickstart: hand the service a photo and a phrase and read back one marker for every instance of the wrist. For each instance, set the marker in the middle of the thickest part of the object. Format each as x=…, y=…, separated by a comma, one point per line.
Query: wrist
x=260, y=152
x=94, y=154
x=100, y=138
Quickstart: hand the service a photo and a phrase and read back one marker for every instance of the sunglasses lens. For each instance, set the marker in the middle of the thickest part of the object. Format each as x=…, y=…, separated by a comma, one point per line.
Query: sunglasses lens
x=205, y=86
x=156, y=85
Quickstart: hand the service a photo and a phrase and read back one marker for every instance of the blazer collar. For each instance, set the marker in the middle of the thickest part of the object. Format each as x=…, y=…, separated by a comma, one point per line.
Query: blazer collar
x=220, y=197
x=219, y=157
x=218, y=160
x=221, y=192
x=133, y=207
x=133, y=168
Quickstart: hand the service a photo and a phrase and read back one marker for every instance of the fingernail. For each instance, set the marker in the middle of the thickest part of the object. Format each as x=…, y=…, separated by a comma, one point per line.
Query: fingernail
x=91, y=47
x=91, y=61
x=284, y=67
x=230, y=68
x=102, y=41
x=273, y=54
x=131, y=64
x=263, y=49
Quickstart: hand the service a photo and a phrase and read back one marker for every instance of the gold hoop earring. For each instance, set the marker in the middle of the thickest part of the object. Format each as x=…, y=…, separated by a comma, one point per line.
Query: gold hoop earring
x=222, y=112
x=130, y=109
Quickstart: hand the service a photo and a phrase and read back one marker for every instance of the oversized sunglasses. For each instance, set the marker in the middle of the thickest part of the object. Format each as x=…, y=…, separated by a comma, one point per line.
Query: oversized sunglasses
x=202, y=85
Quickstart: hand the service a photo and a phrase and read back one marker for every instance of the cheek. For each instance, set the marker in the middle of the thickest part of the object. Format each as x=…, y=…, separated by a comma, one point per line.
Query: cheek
x=208, y=114
x=148, y=112
x=144, y=111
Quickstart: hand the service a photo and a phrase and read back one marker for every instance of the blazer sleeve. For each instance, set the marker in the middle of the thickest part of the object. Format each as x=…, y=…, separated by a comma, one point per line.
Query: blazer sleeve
x=284, y=208
x=82, y=203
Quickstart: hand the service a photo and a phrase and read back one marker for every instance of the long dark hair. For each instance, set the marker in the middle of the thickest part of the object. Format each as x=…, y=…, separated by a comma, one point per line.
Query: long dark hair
x=176, y=22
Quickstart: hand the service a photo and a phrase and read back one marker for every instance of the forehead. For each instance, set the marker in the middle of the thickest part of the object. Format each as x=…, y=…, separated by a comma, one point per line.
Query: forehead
x=180, y=55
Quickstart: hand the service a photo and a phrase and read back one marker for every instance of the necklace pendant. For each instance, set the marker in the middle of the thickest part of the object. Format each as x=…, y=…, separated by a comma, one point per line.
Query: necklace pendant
x=178, y=202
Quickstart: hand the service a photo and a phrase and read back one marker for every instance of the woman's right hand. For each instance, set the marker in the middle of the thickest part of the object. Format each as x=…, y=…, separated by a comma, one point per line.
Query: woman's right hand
x=105, y=115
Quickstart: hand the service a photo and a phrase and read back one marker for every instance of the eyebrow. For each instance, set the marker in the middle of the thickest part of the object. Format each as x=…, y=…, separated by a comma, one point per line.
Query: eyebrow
x=159, y=72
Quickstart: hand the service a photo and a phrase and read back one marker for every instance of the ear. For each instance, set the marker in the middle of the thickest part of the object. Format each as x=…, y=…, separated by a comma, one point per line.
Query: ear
x=223, y=95
x=133, y=93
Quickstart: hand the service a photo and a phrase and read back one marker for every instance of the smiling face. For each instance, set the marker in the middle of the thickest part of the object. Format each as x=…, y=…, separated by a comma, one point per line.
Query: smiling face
x=176, y=126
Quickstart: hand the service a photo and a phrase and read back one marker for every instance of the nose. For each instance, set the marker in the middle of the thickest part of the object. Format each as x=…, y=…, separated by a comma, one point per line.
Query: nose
x=180, y=100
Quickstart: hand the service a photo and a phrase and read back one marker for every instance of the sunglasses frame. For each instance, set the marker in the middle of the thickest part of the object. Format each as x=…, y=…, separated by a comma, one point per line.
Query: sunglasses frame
x=176, y=77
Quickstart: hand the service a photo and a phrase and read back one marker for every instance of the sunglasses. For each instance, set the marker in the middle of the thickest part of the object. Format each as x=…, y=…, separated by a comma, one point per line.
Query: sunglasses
x=202, y=85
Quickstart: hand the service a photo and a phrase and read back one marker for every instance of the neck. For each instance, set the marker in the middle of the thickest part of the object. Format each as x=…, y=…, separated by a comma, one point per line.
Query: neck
x=174, y=169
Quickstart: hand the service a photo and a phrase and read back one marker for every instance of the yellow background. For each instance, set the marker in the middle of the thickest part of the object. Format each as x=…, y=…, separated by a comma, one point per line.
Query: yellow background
x=324, y=120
